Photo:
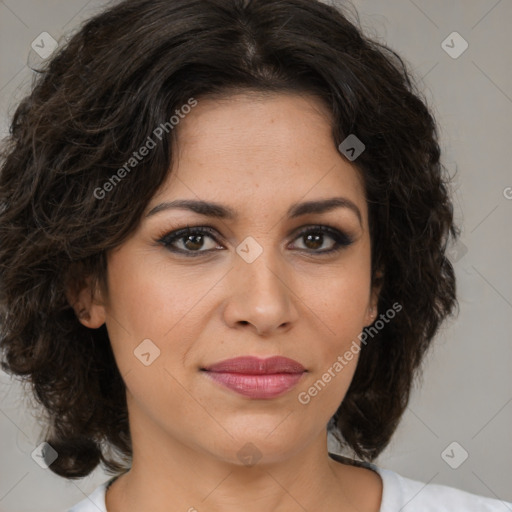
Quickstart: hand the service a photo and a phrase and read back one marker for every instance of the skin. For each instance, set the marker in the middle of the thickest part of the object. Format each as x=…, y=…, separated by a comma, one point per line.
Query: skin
x=258, y=155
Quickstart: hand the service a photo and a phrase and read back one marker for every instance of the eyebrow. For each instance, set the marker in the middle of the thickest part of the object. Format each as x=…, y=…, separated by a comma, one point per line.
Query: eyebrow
x=219, y=211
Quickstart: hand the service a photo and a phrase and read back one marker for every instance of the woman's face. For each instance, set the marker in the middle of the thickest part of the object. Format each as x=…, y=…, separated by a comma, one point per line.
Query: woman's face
x=258, y=284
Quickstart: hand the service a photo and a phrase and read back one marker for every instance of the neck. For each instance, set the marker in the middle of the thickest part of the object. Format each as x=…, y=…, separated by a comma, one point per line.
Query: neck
x=169, y=470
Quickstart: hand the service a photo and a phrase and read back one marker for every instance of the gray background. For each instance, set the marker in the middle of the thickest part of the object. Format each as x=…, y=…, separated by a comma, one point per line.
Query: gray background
x=466, y=395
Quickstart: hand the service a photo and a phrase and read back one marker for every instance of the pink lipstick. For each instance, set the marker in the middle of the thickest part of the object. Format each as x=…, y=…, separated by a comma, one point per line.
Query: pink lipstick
x=257, y=378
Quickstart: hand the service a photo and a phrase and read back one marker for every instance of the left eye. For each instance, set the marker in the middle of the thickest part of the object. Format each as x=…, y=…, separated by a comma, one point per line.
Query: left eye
x=192, y=240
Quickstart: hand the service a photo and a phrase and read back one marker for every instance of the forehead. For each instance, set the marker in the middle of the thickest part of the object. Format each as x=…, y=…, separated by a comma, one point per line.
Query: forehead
x=253, y=150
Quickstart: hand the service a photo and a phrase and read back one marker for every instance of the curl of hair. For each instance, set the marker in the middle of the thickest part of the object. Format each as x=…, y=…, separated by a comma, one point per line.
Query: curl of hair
x=103, y=94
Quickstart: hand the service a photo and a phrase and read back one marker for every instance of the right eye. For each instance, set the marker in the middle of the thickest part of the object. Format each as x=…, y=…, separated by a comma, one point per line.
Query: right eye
x=191, y=240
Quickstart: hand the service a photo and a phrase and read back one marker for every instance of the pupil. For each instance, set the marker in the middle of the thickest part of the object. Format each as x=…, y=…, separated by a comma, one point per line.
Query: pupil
x=316, y=240
x=194, y=240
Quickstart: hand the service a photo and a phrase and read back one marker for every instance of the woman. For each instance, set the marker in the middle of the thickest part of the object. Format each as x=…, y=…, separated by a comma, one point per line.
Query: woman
x=224, y=229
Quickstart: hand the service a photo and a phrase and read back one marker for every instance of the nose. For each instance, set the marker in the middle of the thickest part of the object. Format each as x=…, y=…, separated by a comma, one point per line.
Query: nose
x=261, y=295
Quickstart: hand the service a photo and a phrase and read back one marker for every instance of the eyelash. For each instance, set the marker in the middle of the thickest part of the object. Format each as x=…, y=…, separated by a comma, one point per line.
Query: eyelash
x=340, y=238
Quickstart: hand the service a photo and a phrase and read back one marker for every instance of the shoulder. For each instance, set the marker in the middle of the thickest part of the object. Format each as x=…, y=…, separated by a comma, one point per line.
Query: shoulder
x=401, y=494
x=407, y=495
x=95, y=502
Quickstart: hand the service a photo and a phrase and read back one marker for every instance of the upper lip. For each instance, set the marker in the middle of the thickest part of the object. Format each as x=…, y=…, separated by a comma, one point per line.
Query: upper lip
x=256, y=366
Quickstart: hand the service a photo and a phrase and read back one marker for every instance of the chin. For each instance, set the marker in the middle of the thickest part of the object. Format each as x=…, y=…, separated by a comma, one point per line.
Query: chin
x=261, y=446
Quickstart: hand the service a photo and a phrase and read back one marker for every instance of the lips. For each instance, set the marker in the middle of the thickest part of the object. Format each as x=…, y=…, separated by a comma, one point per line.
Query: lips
x=250, y=365
x=257, y=378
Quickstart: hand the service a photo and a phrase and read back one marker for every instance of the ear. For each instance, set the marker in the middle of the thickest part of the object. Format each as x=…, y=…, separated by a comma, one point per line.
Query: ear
x=372, y=310
x=88, y=304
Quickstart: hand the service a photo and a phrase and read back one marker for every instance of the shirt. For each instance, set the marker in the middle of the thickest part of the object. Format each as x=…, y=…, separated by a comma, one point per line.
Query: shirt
x=399, y=494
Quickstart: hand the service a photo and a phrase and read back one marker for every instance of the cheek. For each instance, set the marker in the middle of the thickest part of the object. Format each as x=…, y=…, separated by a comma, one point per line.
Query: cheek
x=340, y=306
x=339, y=302
x=155, y=302
x=323, y=392
x=150, y=299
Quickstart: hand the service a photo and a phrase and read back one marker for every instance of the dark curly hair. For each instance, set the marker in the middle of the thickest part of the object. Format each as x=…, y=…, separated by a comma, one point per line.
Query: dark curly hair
x=101, y=95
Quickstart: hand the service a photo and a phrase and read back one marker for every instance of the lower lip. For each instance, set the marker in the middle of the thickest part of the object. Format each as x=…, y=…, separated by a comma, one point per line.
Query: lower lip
x=257, y=386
